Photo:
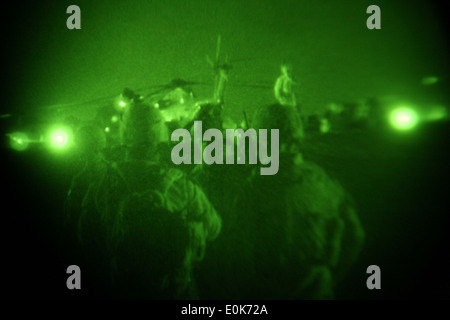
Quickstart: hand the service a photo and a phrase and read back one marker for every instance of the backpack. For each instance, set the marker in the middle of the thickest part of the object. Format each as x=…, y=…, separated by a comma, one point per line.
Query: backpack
x=148, y=243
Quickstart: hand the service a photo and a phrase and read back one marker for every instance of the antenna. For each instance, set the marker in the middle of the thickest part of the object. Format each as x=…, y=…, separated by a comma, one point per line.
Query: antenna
x=219, y=40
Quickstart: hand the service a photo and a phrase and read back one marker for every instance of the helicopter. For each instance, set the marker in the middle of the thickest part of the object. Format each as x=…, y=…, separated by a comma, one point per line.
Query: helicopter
x=55, y=126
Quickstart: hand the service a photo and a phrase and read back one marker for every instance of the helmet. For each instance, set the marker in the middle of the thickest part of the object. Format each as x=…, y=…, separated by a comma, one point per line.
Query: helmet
x=90, y=139
x=142, y=128
x=284, y=118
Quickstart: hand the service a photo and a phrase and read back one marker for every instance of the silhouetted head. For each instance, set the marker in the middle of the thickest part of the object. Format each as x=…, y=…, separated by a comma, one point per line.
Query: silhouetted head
x=142, y=129
x=284, y=118
x=129, y=94
x=286, y=69
x=90, y=140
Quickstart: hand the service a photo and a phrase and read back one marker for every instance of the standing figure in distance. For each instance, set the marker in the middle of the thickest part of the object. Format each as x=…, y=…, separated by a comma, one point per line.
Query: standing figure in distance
x=283, y=87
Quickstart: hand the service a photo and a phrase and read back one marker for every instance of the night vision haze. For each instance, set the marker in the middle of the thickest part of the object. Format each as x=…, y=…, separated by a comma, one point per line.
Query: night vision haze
x=225, y=150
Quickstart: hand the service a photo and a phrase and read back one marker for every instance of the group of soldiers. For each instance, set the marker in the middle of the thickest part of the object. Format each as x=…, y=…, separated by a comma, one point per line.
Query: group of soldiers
x=146, y=228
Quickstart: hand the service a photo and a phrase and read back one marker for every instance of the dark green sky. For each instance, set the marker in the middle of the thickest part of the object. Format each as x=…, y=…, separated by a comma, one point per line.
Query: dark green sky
x=140, y=43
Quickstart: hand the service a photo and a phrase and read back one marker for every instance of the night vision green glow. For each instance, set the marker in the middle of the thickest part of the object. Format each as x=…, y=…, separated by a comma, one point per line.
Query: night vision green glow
x=429, y=81
x=437, y=113
x=120, y=103
x=59, y=138
x=226, y=150
x=403, y=118
x=19, y=141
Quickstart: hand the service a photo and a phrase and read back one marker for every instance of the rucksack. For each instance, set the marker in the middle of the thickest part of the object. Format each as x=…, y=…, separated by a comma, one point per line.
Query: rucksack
x=148, y=243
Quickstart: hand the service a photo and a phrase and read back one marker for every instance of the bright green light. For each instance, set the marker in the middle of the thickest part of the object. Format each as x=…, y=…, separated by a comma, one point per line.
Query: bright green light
x=107, y=129
x=324, y=125
x=115, y=118
x=403, y=118
x=120, y=103
x=19, y=141
x=59, y=138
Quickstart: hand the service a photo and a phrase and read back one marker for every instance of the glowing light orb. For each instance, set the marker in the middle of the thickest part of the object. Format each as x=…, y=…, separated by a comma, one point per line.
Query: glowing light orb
x=324, y=125
x=59, y=138
x=403, y=118
x=122, y=104
x=107, y=129
x=114, y=118
x=19, y=141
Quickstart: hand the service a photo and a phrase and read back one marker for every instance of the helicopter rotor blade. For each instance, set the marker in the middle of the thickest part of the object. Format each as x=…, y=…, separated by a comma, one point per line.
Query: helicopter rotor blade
x=242, y=60
x=150, y=87
x=75, y=104
x=92, y=101
x=210, y=62
x=219, y=40
x=254, y=86
x=175, y=83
